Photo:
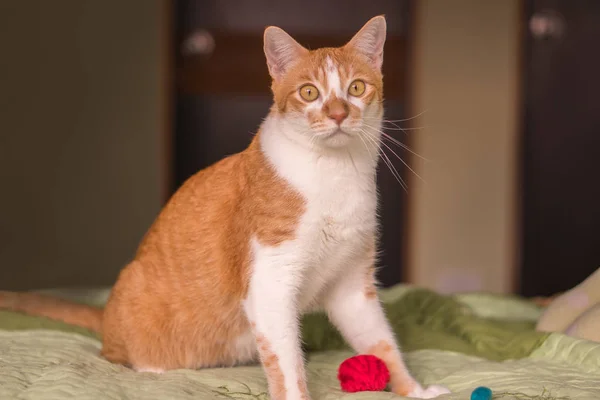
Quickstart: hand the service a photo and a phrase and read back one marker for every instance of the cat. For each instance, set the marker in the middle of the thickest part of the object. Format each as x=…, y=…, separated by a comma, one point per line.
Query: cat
x=247, y=245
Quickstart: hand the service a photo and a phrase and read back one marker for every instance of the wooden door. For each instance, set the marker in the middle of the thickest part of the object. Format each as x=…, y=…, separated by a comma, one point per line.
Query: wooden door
x=561, y=152
x=223, y=86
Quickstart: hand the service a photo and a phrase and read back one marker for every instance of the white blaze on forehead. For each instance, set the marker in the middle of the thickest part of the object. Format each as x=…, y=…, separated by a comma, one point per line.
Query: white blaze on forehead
x=333, y=79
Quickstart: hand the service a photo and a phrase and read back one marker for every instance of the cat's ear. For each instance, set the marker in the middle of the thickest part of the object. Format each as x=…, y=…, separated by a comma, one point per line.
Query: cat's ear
x=281, y=51
x=370, y=39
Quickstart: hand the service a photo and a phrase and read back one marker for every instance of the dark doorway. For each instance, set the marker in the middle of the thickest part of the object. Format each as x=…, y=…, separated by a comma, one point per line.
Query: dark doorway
x=561, y=149
x=223, y=84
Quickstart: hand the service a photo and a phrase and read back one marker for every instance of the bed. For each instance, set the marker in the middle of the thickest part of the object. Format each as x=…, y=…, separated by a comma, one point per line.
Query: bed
x=460, y=341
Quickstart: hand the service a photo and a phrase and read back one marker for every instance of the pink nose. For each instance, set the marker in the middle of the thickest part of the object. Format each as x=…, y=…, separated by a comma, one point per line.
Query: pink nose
x=338, y=115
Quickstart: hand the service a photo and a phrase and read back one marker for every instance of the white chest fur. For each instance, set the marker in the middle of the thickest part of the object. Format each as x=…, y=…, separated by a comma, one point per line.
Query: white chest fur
x=340, y=219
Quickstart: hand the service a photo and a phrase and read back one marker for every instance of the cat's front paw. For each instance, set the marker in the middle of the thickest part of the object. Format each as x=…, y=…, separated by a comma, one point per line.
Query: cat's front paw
x=429, y=392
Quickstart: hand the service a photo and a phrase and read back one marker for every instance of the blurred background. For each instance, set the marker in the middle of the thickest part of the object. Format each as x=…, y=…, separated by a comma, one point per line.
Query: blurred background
x=106, y=107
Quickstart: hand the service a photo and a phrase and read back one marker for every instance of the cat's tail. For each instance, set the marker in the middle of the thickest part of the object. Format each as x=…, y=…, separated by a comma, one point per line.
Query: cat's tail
x=88, y=317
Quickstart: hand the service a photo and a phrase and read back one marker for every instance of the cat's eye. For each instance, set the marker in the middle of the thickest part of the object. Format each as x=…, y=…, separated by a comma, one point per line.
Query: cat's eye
x=309, y=93
x=357, y=88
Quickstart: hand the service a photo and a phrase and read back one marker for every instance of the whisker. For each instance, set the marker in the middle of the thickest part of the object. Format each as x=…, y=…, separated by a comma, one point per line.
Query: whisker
x=394, y=171
x=376, y=142
x=400, y=120
x=404, y=146
x=403, y=162
x=395, y=126
x=388, y=122
x=387, y=161
x=400, y=158
x=366, y=147
x=397, y=142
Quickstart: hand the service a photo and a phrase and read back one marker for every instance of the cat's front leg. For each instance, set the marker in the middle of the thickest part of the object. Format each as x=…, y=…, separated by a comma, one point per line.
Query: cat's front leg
x=271, y=308
x=354, y=309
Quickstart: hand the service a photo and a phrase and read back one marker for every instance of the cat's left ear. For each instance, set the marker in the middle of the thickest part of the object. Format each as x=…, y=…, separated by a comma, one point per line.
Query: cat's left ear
x=281, y=51
x=370, y=39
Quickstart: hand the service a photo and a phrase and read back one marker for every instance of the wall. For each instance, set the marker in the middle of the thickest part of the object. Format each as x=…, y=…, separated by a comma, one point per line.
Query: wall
x=466, y=71
x=81, y=137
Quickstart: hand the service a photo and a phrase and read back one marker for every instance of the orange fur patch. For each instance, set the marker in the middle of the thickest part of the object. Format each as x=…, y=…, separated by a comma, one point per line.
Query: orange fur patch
x=302, y=383
x=370, y=283
x=371, y=273
x=270, y=363
x=401, y=381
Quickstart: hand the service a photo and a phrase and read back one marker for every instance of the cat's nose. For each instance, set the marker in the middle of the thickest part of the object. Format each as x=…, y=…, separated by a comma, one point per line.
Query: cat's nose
x=336, y=110
x=338, y=115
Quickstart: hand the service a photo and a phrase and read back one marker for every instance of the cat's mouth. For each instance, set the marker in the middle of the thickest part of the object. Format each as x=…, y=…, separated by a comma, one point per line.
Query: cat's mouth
x=335, y=138
x=335, y=133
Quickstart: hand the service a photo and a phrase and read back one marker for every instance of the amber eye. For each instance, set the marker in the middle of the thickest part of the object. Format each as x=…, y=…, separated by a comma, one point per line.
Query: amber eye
x=309, y=93
x=357, y=88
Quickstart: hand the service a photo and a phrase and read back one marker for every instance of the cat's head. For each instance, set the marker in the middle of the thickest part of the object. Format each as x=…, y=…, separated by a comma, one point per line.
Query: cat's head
x=329, y=96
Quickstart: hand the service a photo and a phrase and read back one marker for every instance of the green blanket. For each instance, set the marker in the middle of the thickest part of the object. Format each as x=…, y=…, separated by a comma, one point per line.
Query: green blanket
x=458, y=341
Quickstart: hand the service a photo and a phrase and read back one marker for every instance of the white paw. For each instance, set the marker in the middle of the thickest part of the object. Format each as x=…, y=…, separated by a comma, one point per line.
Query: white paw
x=429, y=392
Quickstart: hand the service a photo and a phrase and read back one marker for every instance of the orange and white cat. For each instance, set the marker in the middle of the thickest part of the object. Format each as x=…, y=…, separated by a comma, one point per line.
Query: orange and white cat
x=250, y=243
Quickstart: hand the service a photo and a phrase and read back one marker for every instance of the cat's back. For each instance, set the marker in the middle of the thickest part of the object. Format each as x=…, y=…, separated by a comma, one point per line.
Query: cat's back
x=195, y=214
x=207, y=225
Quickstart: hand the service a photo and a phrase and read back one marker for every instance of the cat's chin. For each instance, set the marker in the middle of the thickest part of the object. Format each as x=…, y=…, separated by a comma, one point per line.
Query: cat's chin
x=335, y=139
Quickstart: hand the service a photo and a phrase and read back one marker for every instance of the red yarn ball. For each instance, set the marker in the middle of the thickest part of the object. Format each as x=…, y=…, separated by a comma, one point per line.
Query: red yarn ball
x=363, y=373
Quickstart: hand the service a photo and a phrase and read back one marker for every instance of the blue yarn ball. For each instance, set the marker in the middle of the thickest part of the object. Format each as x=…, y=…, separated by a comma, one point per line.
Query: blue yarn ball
x=482, y=393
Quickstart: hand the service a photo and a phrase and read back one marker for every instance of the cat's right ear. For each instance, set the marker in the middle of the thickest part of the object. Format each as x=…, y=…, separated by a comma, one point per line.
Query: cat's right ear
x=281, y=51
